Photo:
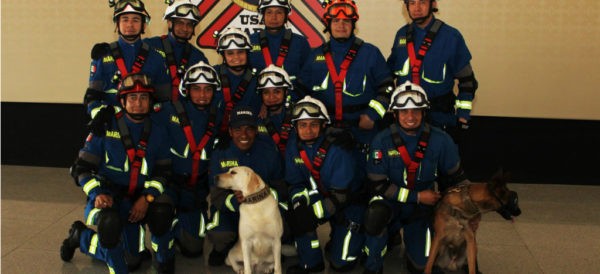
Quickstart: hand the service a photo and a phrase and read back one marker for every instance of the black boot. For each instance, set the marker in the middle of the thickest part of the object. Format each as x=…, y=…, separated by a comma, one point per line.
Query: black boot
x=71, y=243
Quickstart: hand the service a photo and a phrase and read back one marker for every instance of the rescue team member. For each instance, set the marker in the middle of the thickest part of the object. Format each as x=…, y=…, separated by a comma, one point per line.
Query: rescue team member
x=244, y=149
x=192, y=124
x=322, y=181
x=276, y=44
x=434, y=55
x=123, y=173
x=406, y=160
x=238, y=78
x=112, y=62
x=182, y=17
x=349, y=76
x=273, y=86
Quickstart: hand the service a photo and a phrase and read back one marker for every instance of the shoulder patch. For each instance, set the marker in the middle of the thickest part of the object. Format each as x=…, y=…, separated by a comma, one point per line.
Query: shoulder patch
x=175, y=119
x=298, y=161
x=392, y=153
x=402, y=41
x=377, y=155
x=113, y=134
x=256, y=48
x=228, y=163
x=320, y=58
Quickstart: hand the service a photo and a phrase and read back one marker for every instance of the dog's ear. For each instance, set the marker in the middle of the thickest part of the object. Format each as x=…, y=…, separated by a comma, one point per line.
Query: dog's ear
x=500, y=178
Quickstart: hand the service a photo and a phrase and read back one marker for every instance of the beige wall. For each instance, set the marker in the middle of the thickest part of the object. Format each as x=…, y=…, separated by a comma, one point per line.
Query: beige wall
x=532, y=58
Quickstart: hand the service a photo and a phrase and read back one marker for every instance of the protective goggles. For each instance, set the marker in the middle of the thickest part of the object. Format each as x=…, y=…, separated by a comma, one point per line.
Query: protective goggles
x=342, y=11
x=186, y=9
x=122, y=4
x=275, y=79
x=409, y=99
x=311, y=109
x=270, y=3
x=136, y=83
x=195, y=76
x=233, y=41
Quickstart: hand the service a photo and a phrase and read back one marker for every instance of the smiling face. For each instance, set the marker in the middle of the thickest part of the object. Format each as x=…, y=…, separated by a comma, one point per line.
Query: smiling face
x=201, y=94
x=243, y=136
x=341, y=28
x=309, y=129
x=410, y=119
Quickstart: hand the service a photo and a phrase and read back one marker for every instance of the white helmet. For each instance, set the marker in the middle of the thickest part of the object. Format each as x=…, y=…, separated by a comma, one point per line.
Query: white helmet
x=129, y=6
x=184, y=9
x=233, y=38
x=309, y=108
x=200, y=73
x=273, y=77
x=407, y=96
x=264, y=4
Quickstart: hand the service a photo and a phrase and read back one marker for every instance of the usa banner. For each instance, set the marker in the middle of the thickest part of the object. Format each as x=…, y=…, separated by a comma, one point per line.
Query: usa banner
x=218, y=15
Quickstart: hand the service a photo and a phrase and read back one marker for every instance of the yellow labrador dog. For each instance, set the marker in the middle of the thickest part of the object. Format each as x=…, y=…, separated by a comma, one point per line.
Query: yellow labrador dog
x=259, y=246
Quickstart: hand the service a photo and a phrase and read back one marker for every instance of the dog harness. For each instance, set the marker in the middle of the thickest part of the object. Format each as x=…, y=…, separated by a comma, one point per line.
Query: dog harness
x=469, y=209
x=416, y=59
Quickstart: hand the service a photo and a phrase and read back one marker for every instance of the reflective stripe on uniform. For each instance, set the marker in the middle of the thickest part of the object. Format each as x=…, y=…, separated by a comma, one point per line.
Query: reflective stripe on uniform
x=202, y=229
x=141, y=245
x=323, y=85
x=93, y=244
x=405, y=68
x=215, y=221
x=92, y=216
x=427, y=242
x=314, y=244
x=303, y=193
x=403, y=194
x=431, y=81
x=346, y=245
x=378, y=107
x=154, y=184
x=318, y=209
x=89, y=185
x=110, y=269
x=464, y=104
x=228, y=202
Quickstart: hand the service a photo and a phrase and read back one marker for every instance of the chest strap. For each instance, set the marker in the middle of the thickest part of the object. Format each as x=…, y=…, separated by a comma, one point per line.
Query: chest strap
x=117, y=55
x=416, y=59
x=280, y=137
x=232, y=99
x=195, y=148
x=315, y=166
x=175, y=71
x=283, y=48
x=338, y=78
x=135, y=154
x=411, y=165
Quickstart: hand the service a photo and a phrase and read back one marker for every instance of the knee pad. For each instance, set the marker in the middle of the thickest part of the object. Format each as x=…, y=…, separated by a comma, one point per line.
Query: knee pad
x=377, y=217
x=110, y=227
x=160, y=218
x=222, y=240
x=189, y=245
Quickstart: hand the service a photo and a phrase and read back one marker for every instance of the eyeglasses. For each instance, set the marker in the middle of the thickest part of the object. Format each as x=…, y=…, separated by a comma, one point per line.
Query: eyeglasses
x=276, y=80
x=122, y=4
x=401, y=100
x=309, y=108
x=194, y=75
x=130, y=81
x=335, y=10
x=236, y=39
x=184, y=10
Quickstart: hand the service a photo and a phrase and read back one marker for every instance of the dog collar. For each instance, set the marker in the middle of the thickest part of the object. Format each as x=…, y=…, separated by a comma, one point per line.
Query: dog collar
x=258, y=196
x=469, y=208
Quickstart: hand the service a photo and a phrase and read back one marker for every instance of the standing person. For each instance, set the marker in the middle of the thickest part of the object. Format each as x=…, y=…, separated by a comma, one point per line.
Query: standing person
x=124, y=173
x=113, y=62
x=273, y=86
x=182, y=17
x=244, y=149
x=238, y=78
x=276, y=44
x=406, y=160
x=434, y=55
x=192, y=124
x=323, y=189
x=349, y=76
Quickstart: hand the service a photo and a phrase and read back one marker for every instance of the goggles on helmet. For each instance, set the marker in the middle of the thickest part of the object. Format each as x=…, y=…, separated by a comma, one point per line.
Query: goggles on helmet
x=122, y=4
x=341, y=11
x=273, y=3
x=184, y=10
x=309, y=108
x=195, y=76
x=233, y=41
x=409, y=99
x=135, y=83
x=274, y=78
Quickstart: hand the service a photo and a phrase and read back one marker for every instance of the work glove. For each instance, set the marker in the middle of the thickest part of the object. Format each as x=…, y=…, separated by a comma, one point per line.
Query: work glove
x=100, y=50
x=101, y=121
x=342, y=138
x=303, y=219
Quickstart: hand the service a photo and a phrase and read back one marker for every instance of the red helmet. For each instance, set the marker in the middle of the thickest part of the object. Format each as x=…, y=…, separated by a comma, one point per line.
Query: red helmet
x=135, y=83
x=341, y=9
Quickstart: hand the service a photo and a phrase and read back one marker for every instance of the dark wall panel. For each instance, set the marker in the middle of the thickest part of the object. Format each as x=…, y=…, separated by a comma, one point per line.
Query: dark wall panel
x=533, y=150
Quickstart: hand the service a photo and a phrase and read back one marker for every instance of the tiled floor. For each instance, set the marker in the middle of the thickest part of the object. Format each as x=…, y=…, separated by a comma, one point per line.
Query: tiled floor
x=558, y=232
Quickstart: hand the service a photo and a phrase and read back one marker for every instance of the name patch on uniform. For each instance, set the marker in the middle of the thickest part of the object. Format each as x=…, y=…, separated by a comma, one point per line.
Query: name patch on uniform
x=229, y=163
x=108, y=59
x=320, y=58
x=298, y=161
x=393, y=153
x=175, y=119
x=256, y=48
x=113, y=134
x=402, y=42
x=262, y=129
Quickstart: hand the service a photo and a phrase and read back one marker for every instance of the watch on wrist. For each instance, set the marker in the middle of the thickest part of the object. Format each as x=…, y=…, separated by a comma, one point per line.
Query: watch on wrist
x=149, y=198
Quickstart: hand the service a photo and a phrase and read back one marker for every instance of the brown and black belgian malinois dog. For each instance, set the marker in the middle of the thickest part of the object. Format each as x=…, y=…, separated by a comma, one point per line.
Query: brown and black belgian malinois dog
x=457, y=216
